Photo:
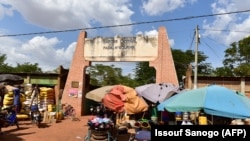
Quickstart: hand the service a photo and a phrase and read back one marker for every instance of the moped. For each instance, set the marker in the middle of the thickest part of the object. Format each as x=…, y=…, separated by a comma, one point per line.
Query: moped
x=8, y=116
x=36, y=116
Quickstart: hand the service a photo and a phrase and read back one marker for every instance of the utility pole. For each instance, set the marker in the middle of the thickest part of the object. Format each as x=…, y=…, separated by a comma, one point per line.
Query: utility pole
x=197, y=36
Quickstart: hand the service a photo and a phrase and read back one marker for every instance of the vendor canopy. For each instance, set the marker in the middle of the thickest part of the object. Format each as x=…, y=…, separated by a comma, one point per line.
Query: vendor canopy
x=213, y=99
x=124, y=99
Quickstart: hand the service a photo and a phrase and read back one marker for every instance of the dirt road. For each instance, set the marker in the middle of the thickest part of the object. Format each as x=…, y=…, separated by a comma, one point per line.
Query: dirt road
x=65, y=130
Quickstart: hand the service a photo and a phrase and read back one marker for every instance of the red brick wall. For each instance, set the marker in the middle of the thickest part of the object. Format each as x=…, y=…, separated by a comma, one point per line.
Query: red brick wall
x=76, y=73
x=164, y=64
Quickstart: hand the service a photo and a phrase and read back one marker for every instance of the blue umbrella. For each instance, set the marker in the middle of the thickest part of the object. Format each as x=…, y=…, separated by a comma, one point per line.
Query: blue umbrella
x=213, y=99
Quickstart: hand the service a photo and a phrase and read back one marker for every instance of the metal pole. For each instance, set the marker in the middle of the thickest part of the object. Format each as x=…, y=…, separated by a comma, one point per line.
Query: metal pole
x=196, y=57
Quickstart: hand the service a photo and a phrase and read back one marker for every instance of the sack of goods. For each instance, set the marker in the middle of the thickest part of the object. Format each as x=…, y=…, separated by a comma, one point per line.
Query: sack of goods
x=47, y=97
x=9, y=97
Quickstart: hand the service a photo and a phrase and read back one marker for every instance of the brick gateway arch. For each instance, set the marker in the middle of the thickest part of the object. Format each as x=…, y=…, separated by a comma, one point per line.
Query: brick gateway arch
x=156, y=50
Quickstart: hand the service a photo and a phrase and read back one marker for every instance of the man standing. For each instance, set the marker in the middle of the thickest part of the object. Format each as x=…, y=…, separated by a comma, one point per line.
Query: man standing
x=34, y=100
x=17, y=103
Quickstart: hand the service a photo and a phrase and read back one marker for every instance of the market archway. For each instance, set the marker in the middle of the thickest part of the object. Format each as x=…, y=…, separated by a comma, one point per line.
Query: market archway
x=154, y=49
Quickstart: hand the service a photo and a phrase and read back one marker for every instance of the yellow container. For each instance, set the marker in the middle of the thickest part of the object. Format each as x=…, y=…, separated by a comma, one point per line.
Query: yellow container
x=202, y=120
x=50, y=108
x=59, y=115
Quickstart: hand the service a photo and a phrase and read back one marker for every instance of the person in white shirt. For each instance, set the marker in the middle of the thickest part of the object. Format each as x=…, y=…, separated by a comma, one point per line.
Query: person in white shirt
x=185, y=119
x=186, y=122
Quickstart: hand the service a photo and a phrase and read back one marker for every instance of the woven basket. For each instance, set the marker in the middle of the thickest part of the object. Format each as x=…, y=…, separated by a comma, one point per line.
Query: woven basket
x=99, y=135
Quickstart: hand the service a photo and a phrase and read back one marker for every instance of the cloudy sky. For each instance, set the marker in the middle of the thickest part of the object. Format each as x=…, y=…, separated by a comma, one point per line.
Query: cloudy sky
x=27, y=28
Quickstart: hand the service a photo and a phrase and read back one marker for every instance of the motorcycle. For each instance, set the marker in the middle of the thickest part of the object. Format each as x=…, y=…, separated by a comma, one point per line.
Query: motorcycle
x=36, y=116
x=8, y=117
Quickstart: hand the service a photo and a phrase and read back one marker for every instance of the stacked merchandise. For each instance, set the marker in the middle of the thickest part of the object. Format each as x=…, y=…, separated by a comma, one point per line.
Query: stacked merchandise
x=100, y=128
x=9, y=101
x=27, y=102
x=47, y=97
x=27, y=91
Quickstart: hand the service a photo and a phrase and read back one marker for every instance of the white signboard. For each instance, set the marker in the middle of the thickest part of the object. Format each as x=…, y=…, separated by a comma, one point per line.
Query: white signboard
x=139, y=48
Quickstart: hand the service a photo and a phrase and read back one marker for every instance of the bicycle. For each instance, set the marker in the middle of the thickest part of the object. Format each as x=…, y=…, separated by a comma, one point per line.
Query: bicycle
x=70, y=112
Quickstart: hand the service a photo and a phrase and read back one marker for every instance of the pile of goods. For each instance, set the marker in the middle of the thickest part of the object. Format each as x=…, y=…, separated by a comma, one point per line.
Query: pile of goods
x=100, y=124
x=99, y=127
x=9, y=101
x=46, y=100
x=241, y=121
x=9, y=96
x=47, y=97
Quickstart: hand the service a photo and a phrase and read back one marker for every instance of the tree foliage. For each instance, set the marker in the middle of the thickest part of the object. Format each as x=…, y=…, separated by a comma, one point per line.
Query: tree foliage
x=28, y=67
x=101, y=75
x=237, y=59
x=145, y=74
x=4, y=67
x=25, y=67
x=223, y=71
x=183, y=58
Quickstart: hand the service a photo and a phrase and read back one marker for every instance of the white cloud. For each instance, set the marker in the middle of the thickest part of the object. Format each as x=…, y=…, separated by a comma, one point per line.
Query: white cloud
x=45, y=52
x=9, y=47
x=74, y=14
x=5, y=11
x=171, y=42
x=159, y=7
x=66, y=53
x=39, y=50
x=241, y=5
x=231, y=22
x=153, y=33
x=60, y=15
x=1, y=11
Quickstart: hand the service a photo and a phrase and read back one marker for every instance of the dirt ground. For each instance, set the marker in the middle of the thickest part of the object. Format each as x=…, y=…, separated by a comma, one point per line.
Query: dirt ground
x=64, y=130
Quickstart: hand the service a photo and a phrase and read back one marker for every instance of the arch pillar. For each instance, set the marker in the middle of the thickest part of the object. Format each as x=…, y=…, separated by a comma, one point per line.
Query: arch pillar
x=164, y=63
x=73, y=92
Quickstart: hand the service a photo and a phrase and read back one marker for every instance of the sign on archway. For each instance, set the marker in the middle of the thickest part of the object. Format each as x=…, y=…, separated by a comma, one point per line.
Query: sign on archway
x=112, y=49
x=154, y=49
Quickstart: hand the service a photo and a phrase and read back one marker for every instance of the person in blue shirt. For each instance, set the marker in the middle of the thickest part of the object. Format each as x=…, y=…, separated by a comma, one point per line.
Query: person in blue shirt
x=17, y=103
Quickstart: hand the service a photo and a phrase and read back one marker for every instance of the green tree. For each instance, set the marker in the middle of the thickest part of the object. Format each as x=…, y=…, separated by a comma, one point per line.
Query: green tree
x=237, y=59
x=4, y=67
x=223, y=71
x=101, y=75
x=204, y=68
x=145, y=74
x=2, y=59
x=25, y=67
x=28, y=67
